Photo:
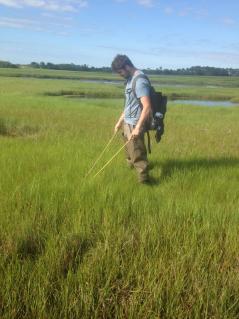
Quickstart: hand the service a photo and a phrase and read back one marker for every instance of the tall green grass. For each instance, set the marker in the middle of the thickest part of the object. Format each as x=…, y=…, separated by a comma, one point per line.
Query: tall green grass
x=108, y=247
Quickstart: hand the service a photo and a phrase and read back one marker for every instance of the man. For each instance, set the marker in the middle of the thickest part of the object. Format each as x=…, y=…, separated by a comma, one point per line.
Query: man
x=137, y=110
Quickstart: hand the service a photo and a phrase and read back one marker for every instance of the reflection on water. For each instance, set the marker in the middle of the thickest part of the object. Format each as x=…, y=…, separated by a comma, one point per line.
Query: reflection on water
x=205, y=103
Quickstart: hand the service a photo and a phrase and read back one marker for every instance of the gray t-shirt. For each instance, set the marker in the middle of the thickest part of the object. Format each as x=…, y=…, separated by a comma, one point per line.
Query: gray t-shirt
x=133, y=109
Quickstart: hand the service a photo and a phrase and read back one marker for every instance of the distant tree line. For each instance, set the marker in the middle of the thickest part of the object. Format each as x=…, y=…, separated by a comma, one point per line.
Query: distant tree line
x=6, y=64
x=68, y=66
x=194, y=70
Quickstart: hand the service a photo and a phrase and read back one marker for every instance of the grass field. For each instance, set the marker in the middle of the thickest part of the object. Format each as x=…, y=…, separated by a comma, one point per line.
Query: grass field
x=107, y=247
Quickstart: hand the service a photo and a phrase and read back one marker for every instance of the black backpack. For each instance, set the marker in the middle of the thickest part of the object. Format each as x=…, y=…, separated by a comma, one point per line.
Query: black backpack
x=159, y=108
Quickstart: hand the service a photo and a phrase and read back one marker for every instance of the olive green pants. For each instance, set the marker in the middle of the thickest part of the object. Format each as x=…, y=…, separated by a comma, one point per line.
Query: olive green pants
x=136, y=152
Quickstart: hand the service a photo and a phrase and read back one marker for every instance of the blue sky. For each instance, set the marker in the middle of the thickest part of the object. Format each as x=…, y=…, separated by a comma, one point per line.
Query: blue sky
x=153, y=33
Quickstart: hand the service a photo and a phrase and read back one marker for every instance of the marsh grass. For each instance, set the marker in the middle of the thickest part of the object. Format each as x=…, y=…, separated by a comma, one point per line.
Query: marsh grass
x=12, y=128
x=107, y=247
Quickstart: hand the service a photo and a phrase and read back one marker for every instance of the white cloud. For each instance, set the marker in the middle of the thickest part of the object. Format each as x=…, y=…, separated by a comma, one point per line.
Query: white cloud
x=51, y=5
x=202, y=13
x=16, y=23
x=10, y=3
x=168, y=10
x=145, y=3
x=228, y=21
x=52, y=27
x=185, y=12
x=34, y=3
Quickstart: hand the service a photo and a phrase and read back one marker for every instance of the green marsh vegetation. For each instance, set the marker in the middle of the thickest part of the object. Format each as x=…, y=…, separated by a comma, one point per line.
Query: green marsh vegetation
x=107, y=247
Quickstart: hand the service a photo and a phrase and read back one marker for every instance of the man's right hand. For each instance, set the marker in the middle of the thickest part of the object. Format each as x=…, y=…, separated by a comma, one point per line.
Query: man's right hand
x=118, y=126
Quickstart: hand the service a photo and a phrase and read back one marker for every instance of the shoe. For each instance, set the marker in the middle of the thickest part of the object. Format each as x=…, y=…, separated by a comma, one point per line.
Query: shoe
x=129, y=164
x=150, y=181
x=144, y=180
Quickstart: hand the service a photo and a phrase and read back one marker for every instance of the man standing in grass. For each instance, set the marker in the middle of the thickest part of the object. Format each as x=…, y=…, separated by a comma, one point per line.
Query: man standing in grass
x=137, y=110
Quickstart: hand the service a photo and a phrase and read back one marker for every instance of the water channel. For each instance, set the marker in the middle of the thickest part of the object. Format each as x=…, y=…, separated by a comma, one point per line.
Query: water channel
x=205, y=103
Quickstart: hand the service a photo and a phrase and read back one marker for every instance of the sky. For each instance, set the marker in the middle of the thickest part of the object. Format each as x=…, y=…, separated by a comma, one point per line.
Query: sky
x=153, y=33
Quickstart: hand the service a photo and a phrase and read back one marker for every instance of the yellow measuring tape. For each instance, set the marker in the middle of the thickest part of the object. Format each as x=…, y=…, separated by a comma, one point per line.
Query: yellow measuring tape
x=97, y=160
x=111, y=158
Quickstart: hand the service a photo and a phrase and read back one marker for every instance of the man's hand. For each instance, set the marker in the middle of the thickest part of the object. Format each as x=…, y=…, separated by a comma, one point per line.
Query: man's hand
x=118, y=126
x=119, y=123
x=136, y=132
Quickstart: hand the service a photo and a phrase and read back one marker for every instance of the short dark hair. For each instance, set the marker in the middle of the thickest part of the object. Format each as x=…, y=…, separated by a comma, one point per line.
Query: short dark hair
x=120, y=61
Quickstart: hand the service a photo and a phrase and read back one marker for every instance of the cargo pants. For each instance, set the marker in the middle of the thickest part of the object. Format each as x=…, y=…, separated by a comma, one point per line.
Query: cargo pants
x=136, y=152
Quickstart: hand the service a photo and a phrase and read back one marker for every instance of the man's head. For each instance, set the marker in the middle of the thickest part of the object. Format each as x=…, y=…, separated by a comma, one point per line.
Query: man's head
x=123, y=66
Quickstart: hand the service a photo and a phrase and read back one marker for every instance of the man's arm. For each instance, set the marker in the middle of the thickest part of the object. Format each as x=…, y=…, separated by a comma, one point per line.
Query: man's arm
x=146, y=111
x=119, y=123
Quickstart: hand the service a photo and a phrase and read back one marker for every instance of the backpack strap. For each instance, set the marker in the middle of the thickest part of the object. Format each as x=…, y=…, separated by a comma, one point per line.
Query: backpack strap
x=139, y=76
x=142, y=76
